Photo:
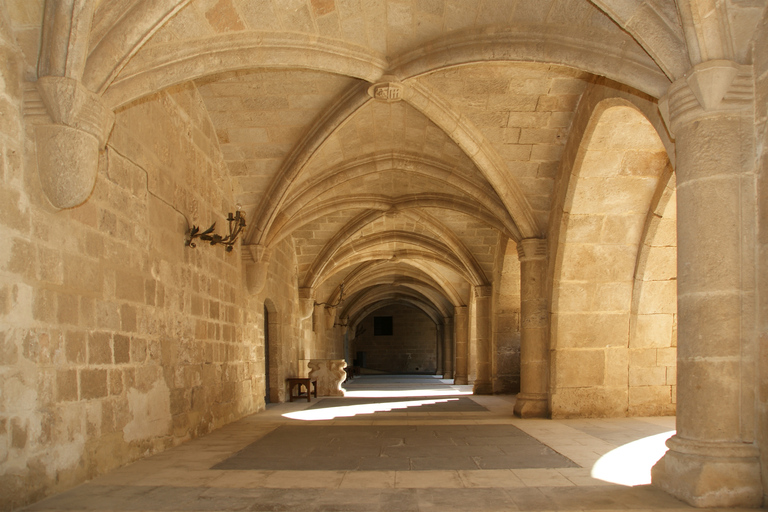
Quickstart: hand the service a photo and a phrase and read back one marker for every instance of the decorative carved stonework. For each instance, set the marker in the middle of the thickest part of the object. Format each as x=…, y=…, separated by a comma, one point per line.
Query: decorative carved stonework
x=329, y=374
x=256, y=267
x=712, y=86
x=68, y=150
x=306, y=302
x=532, y=249
x=483, y=291
x=388, y=92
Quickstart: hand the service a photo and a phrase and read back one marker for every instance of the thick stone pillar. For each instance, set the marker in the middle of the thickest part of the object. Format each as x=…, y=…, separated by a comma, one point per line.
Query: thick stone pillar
x=447, y=348
x=713, y=459
x=533, y=399
x=460, y=333
x=484, y=366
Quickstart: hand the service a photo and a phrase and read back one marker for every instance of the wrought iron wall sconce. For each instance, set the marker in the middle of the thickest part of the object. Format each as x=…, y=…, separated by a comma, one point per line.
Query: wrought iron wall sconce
x=236, y=225
x=338, y=301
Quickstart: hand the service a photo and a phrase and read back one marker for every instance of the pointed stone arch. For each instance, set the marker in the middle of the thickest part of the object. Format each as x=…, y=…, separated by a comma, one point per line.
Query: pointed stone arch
x=602, y=53
x=607, y=197
x=164, y=65
x=471, y=140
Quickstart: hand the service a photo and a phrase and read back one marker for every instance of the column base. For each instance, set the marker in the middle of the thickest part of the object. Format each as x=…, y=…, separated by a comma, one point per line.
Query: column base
x=482, y=388
x=532, y=406
x=461, y=380
x=448, y=375
x=710, y=474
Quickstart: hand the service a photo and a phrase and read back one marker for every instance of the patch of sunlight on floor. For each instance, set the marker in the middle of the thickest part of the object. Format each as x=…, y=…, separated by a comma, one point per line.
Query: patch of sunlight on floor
x=406, y=393
x=347, y=411
x=631, y=463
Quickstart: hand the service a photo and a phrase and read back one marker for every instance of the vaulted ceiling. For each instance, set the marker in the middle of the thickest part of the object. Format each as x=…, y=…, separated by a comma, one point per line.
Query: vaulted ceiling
x=398, y=143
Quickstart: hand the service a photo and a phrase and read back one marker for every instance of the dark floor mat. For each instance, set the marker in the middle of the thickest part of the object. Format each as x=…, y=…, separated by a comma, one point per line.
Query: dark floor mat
x=411, y=404
x=407, y=447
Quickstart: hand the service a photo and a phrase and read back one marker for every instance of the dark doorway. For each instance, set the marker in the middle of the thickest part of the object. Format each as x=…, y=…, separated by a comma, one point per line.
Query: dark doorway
x=266, y=355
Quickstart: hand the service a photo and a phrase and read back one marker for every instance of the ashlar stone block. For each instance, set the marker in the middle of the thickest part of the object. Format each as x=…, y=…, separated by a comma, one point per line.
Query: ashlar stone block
x=652, y=331
x=579, y=368
x=592, y=330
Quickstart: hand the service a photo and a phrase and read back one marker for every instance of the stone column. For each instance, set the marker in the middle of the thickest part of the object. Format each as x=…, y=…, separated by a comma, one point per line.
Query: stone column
x=713, y=459
x=439, y=348
x=460, y=333
x=484, y=365
x=533, y=399
x=447, y=348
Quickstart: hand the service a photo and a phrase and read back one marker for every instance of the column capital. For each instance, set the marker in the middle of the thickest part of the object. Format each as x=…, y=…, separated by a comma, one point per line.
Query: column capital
x=709, y=88
x=483, y=291
x=460, y=311
x=532, y=249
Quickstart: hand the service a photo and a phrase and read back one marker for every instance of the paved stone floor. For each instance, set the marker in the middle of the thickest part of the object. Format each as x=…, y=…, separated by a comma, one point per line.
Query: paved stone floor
x=393, y=444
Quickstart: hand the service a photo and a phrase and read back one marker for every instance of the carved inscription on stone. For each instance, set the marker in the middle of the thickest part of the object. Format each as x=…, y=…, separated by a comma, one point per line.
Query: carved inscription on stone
x=386, y=91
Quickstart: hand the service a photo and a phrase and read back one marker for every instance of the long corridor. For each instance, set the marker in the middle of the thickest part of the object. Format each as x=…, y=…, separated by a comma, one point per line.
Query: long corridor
x=394, y=443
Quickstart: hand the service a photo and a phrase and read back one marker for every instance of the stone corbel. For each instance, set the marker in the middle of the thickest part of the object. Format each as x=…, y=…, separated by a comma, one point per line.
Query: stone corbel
x=306, y=302
x=68, y=150
x=257, y=268
x=330, y=317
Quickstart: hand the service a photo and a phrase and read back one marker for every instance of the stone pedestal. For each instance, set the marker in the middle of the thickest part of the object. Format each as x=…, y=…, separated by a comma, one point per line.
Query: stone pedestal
x=483, y=384
x=532, y=401
x=460, y=332
x=329, y=374
x=713, y=459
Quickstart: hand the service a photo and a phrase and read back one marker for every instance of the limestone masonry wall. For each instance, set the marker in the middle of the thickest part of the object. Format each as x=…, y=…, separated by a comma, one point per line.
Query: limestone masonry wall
x=761, y=116
x=117, y=341
x=412, y=348
x=289, y=338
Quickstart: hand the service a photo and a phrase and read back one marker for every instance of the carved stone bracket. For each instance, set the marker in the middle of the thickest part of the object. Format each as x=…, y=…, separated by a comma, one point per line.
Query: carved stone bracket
x=306, y=302
x=256, y=267
x=68, y=151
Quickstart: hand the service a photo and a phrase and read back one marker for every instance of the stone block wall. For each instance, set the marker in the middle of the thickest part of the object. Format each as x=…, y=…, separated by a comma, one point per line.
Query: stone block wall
x=761, y=116
x=412, y=348
x=289, y=338
x=117, y=341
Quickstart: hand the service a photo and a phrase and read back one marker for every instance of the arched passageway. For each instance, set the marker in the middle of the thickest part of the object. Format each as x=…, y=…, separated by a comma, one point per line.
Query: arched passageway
x=512, y=170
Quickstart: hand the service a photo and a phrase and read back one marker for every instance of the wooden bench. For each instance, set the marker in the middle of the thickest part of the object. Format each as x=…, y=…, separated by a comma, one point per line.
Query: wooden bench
x=298, y=382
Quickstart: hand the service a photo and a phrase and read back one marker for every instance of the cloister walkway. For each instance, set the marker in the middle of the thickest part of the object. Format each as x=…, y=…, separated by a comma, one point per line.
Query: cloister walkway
x=394, y=443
